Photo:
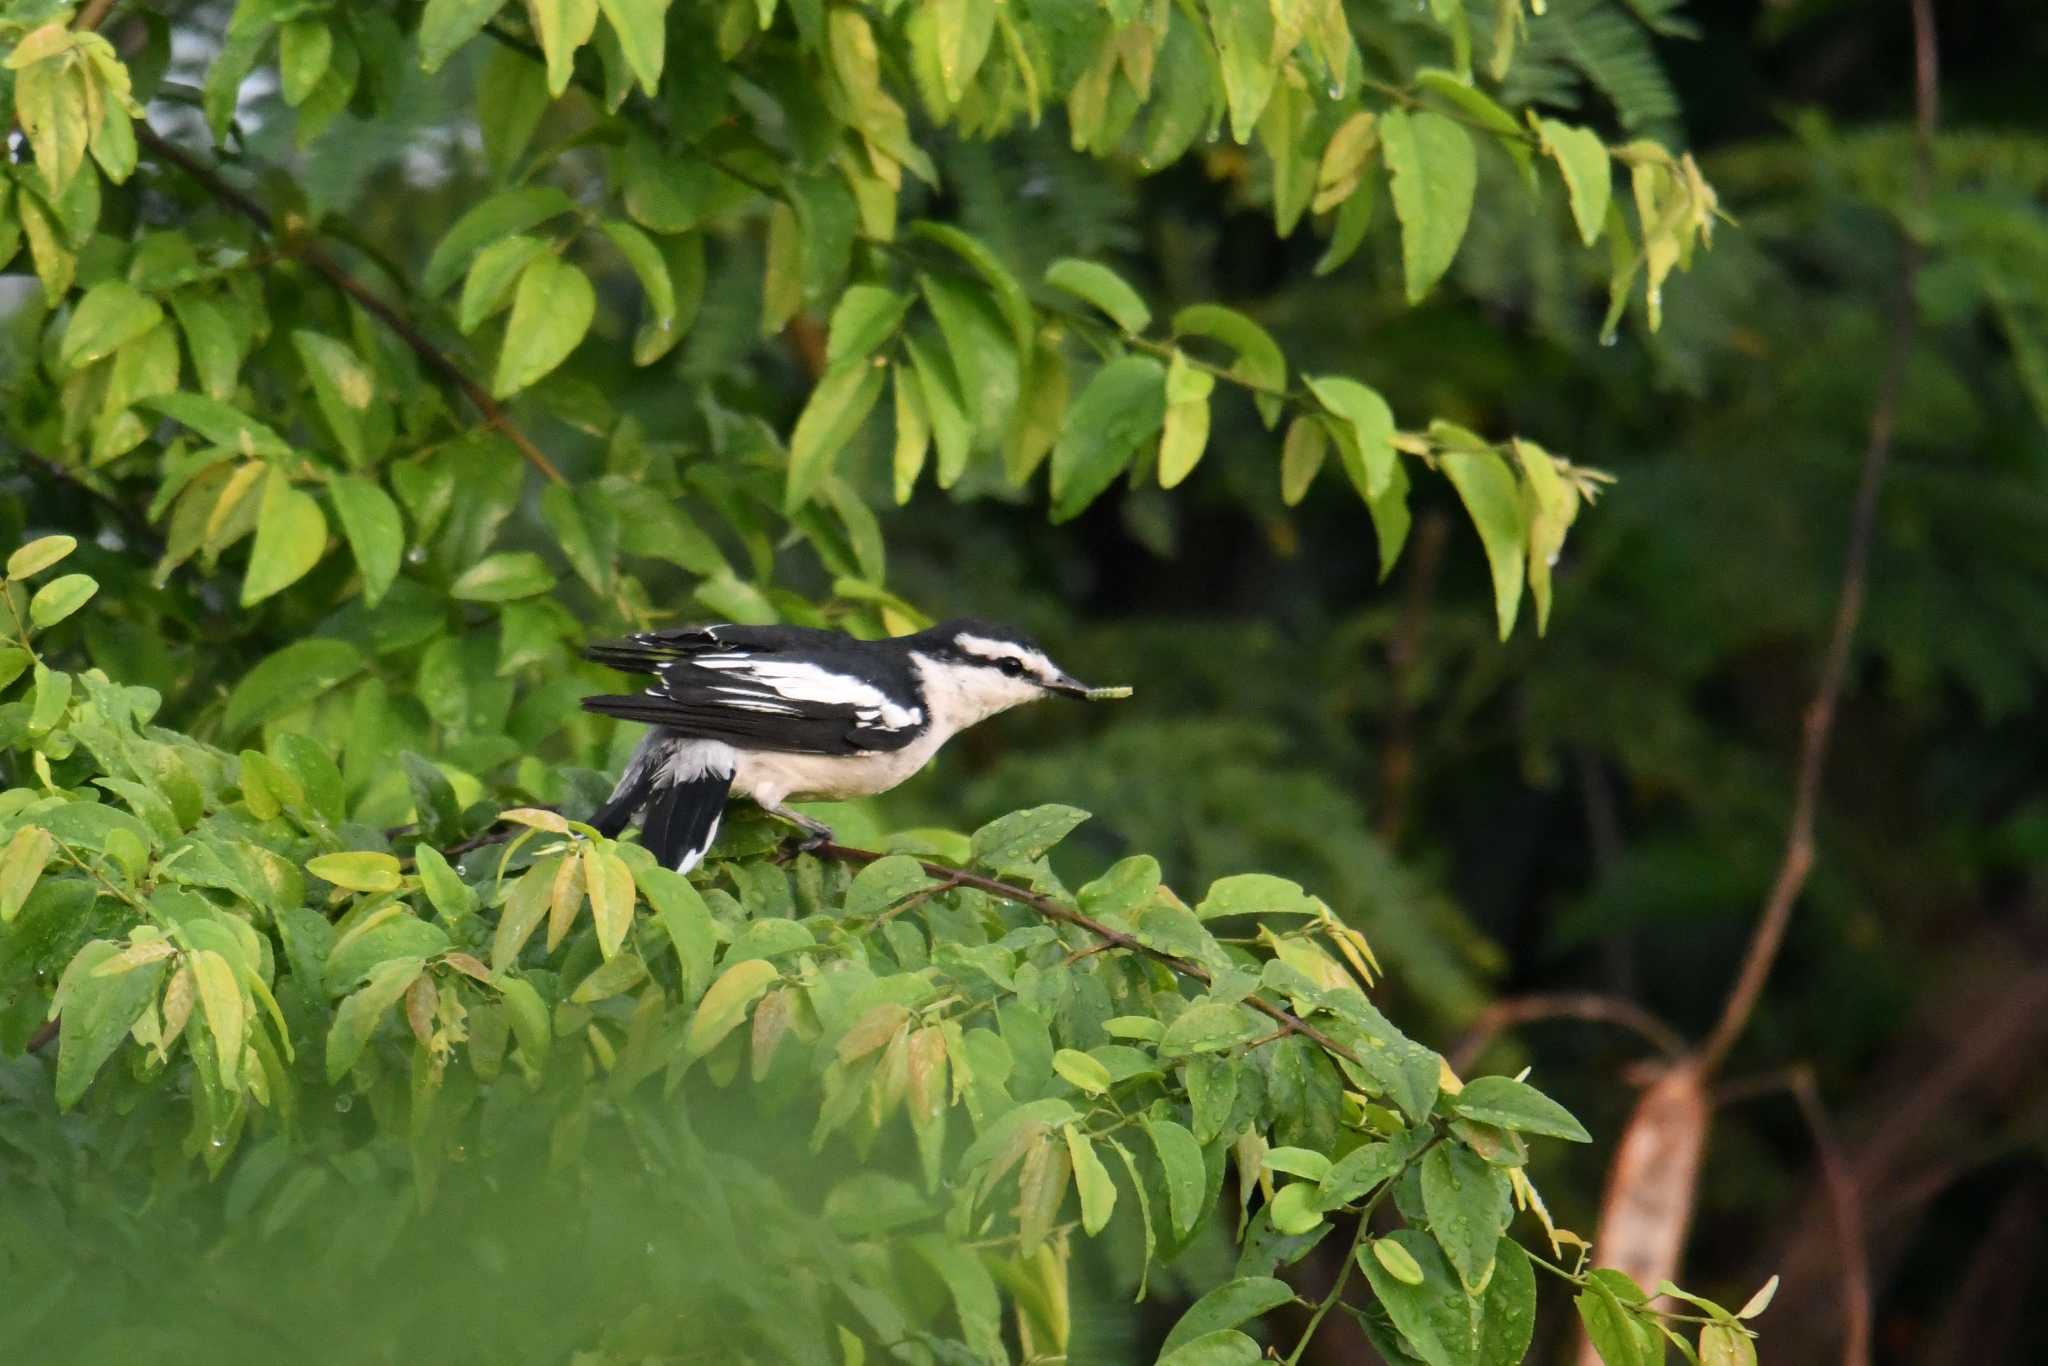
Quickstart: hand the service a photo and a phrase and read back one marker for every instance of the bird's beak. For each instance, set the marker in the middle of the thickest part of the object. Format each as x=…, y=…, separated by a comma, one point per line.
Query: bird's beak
x=1067, y=686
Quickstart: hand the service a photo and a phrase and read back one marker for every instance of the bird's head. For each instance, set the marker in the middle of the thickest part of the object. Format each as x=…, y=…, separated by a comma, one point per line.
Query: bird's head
x=986, y=668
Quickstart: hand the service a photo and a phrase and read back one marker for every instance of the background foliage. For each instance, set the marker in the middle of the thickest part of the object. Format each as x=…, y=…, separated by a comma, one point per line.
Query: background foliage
x=400, y=347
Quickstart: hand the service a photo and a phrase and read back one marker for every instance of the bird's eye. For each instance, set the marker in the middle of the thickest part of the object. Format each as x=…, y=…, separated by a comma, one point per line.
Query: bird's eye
x=1012, y=666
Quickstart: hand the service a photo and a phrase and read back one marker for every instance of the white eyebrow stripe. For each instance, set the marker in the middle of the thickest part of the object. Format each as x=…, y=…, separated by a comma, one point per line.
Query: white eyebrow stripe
x=1034, y=660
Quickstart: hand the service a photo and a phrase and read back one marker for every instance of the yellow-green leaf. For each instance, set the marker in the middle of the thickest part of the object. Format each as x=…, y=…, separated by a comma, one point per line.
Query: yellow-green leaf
x=551, y=310
x=1091, y=1179
x=360, y=871
x=375, y=532
x=562, y=26
x=39, y=555
x=1364, y=429
x=291, y=536
x=1494, y=503
x=609, y=883
x=1186, y=429
x=642, y=29
x=60, y=597
x=1588, y=178
x=1434, y=172
x=112, y=313
x=725, y=1004
x=21, y=866
x=839, y=404
x=220, y=1001
x=1099, y=285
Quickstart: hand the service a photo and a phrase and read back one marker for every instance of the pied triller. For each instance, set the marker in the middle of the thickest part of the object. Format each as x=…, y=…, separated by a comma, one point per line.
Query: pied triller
x=784, y=713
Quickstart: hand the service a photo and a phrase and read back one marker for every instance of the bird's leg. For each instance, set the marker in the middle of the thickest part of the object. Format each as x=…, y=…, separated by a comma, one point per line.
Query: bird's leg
x=817, y=834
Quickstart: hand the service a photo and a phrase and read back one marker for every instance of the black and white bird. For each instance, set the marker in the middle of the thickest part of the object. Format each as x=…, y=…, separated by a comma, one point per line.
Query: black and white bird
x=783, y=713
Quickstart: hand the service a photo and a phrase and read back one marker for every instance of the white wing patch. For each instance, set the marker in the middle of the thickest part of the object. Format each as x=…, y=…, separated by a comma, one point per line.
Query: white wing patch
x=796, y=682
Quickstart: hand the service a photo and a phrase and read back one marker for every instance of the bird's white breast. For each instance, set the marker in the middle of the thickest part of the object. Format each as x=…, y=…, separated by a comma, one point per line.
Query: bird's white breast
x=771, y=778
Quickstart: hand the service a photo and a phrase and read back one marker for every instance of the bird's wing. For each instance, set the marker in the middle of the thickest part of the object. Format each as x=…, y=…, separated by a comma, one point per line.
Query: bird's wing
x=755, y=687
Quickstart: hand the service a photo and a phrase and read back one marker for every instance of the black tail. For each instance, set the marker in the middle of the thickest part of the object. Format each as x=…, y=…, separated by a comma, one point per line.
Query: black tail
x=682, y=818
x=626, y=798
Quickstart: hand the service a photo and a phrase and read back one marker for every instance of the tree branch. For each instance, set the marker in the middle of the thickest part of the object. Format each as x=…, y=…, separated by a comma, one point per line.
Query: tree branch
x=1769, y=935
x=1564, y=1005
x=332, y=271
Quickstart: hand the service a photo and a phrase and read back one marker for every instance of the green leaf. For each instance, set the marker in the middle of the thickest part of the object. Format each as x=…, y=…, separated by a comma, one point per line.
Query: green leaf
x=216, y=354
x=650, y=267
x=1083, y=1071
x=343, y=388
x=60, y=597
x=614, y=976
x=1228, y=1305
x=1615, y=1332
x=1493, y=501
x=1301, y=457
x=357, y=1018
x=375, y=532
x=1356, y=1173
x=95, y=1013
x=1206, y=1027
x=1022, y=836
x=942, y=408
x=1122, y=407
x=725, y=1004
x=1260, y=362
x=220, y=424
x=1186, y=430
x=609, y=883
x=290, y=678
x=21, y=867
x=973, y=1292
x=1421, y=1294
x=1186, y=1176
x=110, y=315
x=356, y=954
x=1723, y=1344
x=1243, y=30
x=1433, y=171
x=1225, y=1347
x=551, y=310
x=1468, y=1206
x=1091, y=1178
x=1510, y=1104
x=446, y=25
x=511, y=211
x=1364, y=427
x=53, y=694
x=291, y=536
x=487, y=288
x=53, y=102
x=503, y=577
x=1008, y=294
x=452, y=898
x=863, y=318
x=642, y=29
x=1588, y=175
x=838, y=406
x=224, y=1011
x=562, y=27
x=1507, y=1309
x=1295, y=1209
x=1099, y=285
x=913, y=433
x=1255, y=894
x=529, y=1018
x=362, y=871
x=38, y=555
x=305, y=46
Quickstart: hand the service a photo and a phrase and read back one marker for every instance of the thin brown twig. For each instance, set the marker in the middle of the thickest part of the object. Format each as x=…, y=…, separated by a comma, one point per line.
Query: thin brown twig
x=373, y=303
x=1564, y=1005
x=1845, y=1199
x=1769, y=935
